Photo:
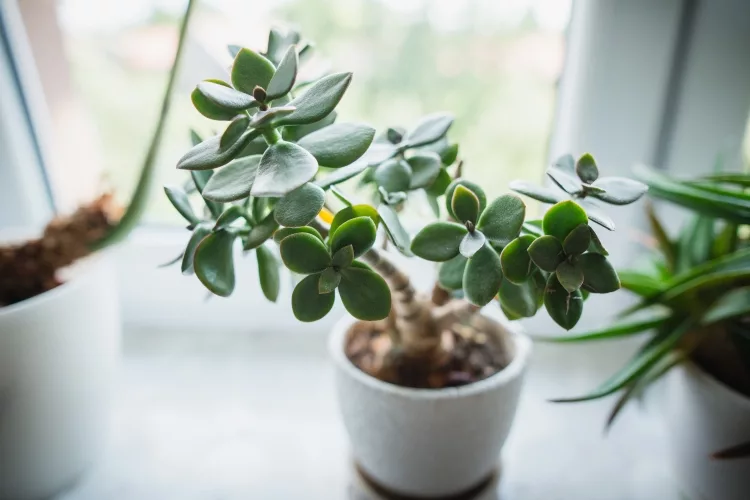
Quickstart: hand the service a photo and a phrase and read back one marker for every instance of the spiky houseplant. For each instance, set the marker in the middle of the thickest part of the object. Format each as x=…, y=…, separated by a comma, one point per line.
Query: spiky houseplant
x=695, y=291
x=282, y=152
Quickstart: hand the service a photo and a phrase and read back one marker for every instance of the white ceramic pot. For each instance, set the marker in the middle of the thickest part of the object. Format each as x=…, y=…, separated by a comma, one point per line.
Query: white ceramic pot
x=704, y=416
x=58, y=354
x=427, y=442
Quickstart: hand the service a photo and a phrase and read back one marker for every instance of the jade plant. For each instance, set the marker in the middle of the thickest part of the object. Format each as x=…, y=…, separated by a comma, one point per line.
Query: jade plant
x=694, y=291
x=274, y=174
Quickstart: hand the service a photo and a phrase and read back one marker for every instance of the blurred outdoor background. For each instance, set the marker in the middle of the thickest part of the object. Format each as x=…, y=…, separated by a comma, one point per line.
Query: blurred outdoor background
x=494, y=64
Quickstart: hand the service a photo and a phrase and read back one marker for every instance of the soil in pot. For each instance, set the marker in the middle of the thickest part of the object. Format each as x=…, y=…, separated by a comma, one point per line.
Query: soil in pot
x=468, y=353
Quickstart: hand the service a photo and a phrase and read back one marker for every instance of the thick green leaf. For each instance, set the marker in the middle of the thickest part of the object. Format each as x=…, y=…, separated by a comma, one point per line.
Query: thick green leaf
x=214, y=263
x=295, y=133
x=265, y=118
x=619, y=190
x=567, y=182
x=396, y=232
x=520, y=300
x=533, y=227
x=563, y=307
x=261, y=232
x=365, y=293
x=515, y=260
x=451, y=273
x=566, y=163
x=596, y=245
x=208, y=107
x=282, y=233
x=358, y=232
x=343, y=257
x=474, y=188
x=350, y=213
x=209, y=153
x=251, y=69
x=307, y=303
x=299, y=207
x=429, y=129
x=547, y=253
x=234, y=181
x=329, y=280
x=539, y=193
x=339, y=144
x=268, y=272
x=465, y=205
x=562, y=218
x=586, y=168
x=441, y=183
x=283, y=78
x=501, y=221
x=598, y=274
x=570, y=275
x=596, y=214
x=439, y=241
x=318, y=100
x=393, y=175
x=179, y=200
x=201, y=231
x=342, y=174
x=578, y=240
x=283, y=168
x=425, y=167
x=228, y=216
x=303, y=253
x=483, y=276
x=224, y=96
x=471, y=243
x=449, y=155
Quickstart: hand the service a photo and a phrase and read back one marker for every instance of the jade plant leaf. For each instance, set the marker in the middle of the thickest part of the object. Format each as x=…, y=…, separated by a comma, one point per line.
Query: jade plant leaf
x=229, y=99
x=251, y=69
x=465, y=205
x=539, y=193
x=449, y=155
x=515, y=259
x=598, y=274
x=264, y=119
x=214, y=263
x=451, y=273
x=578, y=240
x=343, y=257
x=483, y=276
x=619, y=190
x=179, y=199
x=547, y=253
x=318, y=100
x=563, y=307
x=440, y=184
x=352, y=211
x=329, y=280
x=501, y=221
x=261, y=232
x=268, y=272
x=393, y=175
x=439, y=241
x=342, y=174
x=234, y=181
x=358, y=232
x=519, y=299
x=303, y=253
x=569, y=275
x=201, y=231
x=566, y=163
x=425, y=167
x=567, y=182
x=209, y=107
x=562, y=218
x=296, y=132
x=394, y=229
x=474, y=188
x=234, y=131
x=282, y=233
x=365, y=294
x=339, y=144
x=596, y=245
x=471, y=243
x=307, y=303
x=299, y=207
x=283, y=78
x=228, y=216
x=586, y=169
x=283, y=168
x=429, y=129
x=209, y=153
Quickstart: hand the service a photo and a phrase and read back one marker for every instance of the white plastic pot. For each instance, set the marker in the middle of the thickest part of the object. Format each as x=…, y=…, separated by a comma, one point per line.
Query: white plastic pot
x=704, y=416
x=427, y=442
x=58, y=354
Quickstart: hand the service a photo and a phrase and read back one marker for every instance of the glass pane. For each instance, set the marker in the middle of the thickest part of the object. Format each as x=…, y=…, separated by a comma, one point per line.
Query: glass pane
x=493, y=64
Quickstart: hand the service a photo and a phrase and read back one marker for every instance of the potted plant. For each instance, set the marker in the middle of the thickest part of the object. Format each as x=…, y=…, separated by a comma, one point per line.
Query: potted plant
x=59, y=334
x=427, y=385
x=694, y=295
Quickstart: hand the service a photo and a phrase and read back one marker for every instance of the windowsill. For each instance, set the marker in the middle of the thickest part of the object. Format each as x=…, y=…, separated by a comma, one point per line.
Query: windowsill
x=223, y=414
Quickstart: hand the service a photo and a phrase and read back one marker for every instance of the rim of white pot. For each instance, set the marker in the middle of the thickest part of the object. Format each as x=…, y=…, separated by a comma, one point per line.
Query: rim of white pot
x=522, y=351
x=714, y=384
